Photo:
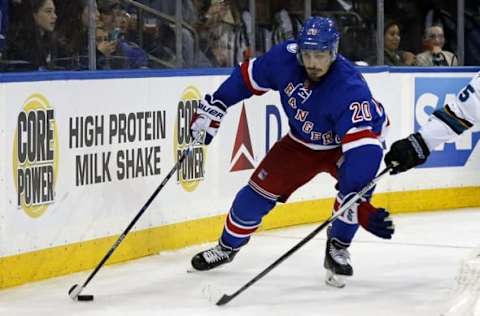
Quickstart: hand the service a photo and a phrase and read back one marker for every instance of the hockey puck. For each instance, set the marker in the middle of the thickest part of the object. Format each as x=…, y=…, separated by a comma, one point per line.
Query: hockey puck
x=85, y=297
x=75, y=295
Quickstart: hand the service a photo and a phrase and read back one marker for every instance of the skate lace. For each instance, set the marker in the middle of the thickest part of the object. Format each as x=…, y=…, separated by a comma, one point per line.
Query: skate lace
x=215, y=254
x=340, y=255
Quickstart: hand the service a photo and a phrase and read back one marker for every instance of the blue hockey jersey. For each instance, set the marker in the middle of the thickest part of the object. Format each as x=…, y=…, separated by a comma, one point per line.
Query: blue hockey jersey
x=338, y=110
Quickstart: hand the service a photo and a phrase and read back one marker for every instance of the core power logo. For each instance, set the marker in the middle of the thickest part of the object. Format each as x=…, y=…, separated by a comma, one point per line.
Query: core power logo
x=433, y=93
x=35, y=156
x=191, y=172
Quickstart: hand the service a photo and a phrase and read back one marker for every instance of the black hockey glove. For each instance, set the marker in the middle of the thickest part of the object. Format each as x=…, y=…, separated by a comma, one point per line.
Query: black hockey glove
x=407, y=153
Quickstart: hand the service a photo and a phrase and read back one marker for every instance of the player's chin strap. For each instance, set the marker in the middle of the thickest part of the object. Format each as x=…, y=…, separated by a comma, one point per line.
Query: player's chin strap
x=227, y=298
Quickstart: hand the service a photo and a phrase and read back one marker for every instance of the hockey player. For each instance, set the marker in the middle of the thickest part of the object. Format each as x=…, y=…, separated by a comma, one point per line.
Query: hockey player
x=335, y=127
x=443, y=126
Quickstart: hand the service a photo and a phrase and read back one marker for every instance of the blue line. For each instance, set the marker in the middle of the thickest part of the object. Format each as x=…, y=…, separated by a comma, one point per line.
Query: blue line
x=160, y=73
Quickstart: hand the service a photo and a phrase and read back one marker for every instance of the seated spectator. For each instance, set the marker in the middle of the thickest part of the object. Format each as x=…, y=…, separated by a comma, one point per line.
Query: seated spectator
x=159, y=35
x=285, y=26
x=116, y=23
x=73, y=34
x=136, y=56
x=223, y=35
x=392, y=55
x=109, y=55
x=109, y=14
x=434, y=55
x=31, y=42
x=3, y=24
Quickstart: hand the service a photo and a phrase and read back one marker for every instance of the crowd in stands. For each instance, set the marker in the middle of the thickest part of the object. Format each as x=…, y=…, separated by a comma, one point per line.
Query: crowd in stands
x=54, y=34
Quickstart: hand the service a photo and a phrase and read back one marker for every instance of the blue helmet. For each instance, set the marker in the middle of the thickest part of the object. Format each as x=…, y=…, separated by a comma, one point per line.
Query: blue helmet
x=319, y=33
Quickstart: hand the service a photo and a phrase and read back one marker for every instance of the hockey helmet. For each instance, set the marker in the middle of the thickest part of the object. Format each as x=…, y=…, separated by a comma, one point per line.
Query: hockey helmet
x=319, y=33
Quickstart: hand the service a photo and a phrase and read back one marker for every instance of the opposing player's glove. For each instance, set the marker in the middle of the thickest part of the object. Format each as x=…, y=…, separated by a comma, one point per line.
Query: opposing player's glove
x=407, y=153
x=375, y=220
x=207, y=119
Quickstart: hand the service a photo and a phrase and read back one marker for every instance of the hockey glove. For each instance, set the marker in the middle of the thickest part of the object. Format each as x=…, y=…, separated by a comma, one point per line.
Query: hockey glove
x=207, y=119
x=407, y=153
x=375, y=220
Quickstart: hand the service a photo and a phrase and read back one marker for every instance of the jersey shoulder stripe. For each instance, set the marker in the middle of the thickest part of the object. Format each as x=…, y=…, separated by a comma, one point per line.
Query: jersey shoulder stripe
x=447, y=116
x=359, y=137
x=247, y=74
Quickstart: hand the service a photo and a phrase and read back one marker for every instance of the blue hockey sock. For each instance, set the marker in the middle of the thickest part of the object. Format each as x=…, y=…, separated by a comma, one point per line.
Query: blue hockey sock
x=244, y=217
x=343, y=232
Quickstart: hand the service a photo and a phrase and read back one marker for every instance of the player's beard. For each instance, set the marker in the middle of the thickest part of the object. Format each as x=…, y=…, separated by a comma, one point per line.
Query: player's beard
x=315, y=74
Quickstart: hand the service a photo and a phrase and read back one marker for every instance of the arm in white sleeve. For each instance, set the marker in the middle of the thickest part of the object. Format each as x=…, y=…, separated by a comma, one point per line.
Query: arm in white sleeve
x=453, y=119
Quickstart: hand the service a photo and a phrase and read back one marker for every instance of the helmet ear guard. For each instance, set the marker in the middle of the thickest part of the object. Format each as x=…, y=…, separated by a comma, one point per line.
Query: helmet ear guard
x=300, y=58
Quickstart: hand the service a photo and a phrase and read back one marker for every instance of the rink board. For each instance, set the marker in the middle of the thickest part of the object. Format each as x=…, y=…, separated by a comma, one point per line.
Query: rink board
x=81, y=155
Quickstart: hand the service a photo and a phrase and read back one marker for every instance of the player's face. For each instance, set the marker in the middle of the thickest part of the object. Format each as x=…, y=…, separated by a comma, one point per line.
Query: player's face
x=316, y=63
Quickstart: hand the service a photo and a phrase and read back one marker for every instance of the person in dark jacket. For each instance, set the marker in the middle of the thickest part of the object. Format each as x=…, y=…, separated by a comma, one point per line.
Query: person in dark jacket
x=31, y=41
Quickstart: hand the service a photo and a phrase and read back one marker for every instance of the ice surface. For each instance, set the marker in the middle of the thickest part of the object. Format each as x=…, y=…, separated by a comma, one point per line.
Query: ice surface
x=412, y=274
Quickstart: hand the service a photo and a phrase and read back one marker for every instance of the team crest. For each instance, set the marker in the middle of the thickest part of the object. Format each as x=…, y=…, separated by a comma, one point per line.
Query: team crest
x=292, y=48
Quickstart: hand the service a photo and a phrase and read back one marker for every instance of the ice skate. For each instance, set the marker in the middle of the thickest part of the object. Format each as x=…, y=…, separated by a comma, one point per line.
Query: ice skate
x=213, y=257
x=337, y=263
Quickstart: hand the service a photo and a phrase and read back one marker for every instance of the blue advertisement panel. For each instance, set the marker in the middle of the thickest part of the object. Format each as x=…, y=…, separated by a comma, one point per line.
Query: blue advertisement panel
x=433, y=93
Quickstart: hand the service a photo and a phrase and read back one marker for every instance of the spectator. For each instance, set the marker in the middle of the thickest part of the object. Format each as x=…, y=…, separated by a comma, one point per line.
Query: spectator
x=73, y=34
x=472, y=36
x=116, y=23
x=410, y=15
x=107, y=16
x=115, y=20
x=3, y=24
x=434, y=55
x=109, y=56
x=32, y=40
x=285, y=26
x=164, y=45
x=223, y=34
x=392, y=55
x=136, y=56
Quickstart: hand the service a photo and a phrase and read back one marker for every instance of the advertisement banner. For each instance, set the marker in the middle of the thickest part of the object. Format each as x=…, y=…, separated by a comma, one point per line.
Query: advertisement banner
x=434, y=93
x=81, y=157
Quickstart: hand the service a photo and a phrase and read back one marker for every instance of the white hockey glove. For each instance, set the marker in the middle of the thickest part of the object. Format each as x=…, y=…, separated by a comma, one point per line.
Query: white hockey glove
x=207, y=119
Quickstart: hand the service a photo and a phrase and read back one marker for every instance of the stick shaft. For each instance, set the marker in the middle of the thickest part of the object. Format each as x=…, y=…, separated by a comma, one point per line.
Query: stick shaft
x=142, y=210
x=227, y=298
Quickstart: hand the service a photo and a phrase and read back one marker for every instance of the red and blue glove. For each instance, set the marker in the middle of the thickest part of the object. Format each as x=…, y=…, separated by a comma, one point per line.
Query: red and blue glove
x=375, y=220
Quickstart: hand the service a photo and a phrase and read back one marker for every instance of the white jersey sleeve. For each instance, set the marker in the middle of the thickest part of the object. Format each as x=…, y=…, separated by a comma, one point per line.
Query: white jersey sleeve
x=453, y=119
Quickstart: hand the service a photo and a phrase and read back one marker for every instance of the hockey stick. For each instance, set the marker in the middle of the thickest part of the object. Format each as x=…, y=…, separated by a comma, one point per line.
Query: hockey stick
x=76, y=290
x=227, y=298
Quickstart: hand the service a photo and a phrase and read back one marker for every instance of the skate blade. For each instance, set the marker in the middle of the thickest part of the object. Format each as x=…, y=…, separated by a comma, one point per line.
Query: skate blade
x=335, y=280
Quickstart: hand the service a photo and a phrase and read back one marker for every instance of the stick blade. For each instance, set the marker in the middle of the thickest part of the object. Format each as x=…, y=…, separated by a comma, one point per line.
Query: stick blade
x=74, y=291
x=224, y=300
